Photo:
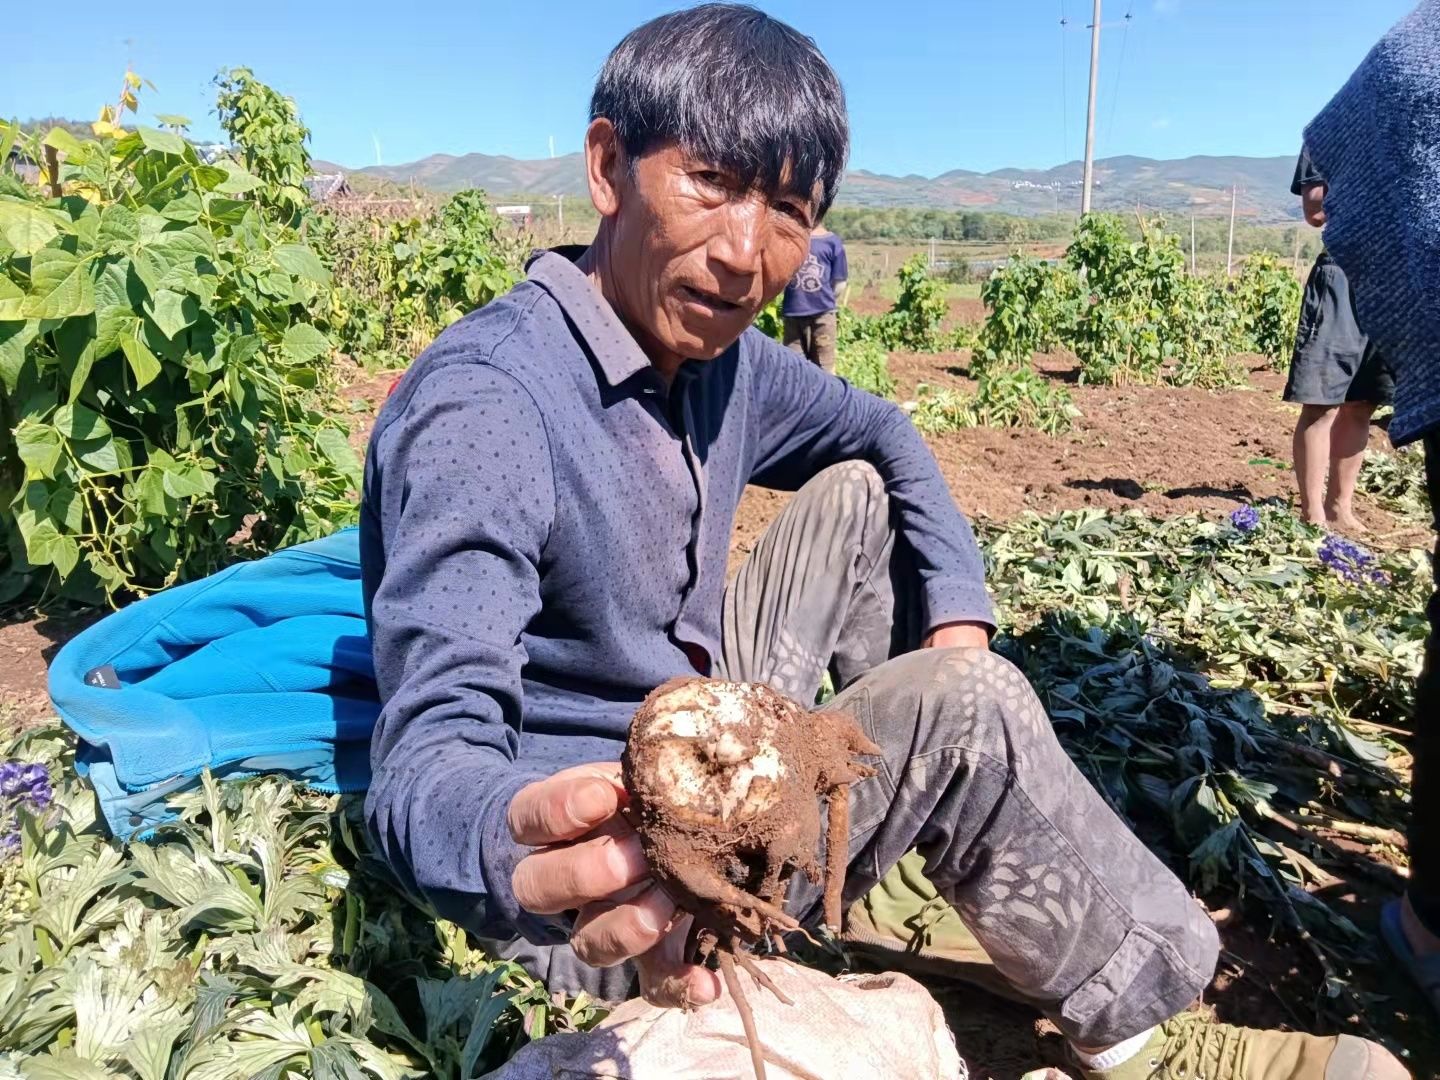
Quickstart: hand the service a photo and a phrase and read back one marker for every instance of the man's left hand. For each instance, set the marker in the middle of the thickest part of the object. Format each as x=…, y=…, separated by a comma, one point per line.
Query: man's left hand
x=958, y=635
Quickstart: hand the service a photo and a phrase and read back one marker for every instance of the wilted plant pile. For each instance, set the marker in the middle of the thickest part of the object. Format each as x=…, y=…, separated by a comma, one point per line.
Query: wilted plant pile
x=255, y=937
x=1218, y=682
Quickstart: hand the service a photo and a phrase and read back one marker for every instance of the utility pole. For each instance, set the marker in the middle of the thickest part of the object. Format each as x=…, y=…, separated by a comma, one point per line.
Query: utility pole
x=1090, y=111
x=1230, y=247
x=1192, y=245
x=560, y=207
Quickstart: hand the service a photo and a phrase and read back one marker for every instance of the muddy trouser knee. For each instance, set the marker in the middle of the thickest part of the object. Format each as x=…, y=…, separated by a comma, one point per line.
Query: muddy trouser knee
x=1077, y=914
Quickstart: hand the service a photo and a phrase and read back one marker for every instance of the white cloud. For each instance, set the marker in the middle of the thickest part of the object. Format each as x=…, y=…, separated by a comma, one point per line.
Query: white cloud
x=1160, y=122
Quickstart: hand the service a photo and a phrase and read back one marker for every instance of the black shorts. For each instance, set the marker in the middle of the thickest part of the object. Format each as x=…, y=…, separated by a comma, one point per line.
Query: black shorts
x=1328, y=378
x=1334, y=361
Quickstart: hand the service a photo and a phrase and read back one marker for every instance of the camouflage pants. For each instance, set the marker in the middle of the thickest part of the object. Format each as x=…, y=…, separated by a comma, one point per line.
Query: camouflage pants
x=1077, y=915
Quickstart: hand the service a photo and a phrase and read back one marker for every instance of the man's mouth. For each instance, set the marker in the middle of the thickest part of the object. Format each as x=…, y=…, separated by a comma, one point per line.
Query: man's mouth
x=715, y=303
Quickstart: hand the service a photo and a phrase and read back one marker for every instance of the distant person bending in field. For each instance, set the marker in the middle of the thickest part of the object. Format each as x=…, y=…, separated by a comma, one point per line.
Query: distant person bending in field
x=1376, y=144
x=1336, y=377
x=812, y=297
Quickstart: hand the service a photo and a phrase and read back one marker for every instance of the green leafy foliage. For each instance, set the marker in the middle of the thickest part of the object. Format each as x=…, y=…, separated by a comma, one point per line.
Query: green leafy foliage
x=914, y=321
x=257, y=936
x=1215, y=684
x=1032, y=306
x=266, y=128
x=399, y=283
x=1268, y=297
x=160, y=373
x=1021, y=397
x=1397, y=482
x=1004, y=397
x=771, y=320
x=1132, y=314
x=865, y=364
x=1139, y=320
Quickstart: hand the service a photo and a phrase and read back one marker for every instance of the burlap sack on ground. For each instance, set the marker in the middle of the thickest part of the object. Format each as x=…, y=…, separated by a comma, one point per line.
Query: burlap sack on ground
x=856, y=1027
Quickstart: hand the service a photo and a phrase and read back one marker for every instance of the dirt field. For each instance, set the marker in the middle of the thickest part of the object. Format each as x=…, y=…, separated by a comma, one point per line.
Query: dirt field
x=1161, y=450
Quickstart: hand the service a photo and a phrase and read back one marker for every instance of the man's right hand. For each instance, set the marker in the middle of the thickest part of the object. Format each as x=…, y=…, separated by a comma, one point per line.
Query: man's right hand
x=588, y=858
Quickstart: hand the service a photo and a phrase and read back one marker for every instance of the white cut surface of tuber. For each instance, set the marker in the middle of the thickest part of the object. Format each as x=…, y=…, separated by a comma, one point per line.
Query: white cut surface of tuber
x=716, y=755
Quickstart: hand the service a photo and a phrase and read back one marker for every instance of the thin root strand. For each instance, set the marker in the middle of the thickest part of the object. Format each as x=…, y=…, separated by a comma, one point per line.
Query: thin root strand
x=747, y=1018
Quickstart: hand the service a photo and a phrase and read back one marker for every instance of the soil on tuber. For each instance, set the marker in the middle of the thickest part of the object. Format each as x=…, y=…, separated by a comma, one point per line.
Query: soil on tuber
x=726, y=780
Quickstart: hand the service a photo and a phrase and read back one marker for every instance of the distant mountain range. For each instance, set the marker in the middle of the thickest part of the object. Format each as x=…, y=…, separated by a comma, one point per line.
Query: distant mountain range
x=1198, y=185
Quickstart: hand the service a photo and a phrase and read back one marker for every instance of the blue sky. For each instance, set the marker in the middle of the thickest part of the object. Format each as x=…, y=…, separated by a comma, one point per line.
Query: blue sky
x=932, y=84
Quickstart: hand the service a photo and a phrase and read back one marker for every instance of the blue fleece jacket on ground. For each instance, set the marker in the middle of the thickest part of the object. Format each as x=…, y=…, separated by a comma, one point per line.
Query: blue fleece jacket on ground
x=263, y=667
x=1377, y=143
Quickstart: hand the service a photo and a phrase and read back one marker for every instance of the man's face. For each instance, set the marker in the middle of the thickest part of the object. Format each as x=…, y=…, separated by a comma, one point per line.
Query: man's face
x=694, y=258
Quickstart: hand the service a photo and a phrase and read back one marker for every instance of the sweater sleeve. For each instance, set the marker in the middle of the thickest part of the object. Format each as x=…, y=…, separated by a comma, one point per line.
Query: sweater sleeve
x=1377, y=143
x=459, y=499
x=809, y=420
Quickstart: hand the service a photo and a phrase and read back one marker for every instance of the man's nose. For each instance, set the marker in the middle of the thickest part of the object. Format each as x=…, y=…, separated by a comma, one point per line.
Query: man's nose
x=741, y=241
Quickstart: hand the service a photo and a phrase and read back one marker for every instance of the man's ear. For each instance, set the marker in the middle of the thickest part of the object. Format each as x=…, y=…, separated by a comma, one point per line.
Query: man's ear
x=605, y=166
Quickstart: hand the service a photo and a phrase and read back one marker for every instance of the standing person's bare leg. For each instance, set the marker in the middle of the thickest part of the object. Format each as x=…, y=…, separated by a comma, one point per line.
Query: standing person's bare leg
x=1349, y=435
x=1312, y=458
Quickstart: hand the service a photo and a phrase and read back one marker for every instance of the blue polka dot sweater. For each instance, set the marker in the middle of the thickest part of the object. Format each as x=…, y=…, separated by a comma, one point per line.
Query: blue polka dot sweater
x=544, y=540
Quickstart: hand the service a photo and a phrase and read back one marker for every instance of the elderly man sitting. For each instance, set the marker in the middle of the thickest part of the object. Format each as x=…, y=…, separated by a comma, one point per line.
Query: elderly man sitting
x=548, y=505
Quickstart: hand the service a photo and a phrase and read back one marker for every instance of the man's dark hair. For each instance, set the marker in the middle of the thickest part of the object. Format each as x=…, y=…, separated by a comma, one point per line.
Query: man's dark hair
x=735, y=88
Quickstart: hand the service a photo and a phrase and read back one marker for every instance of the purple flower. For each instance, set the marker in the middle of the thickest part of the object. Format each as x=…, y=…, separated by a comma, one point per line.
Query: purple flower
x=9, y=843
x=1351, y=561
x=12, y=779
x=1246, y=519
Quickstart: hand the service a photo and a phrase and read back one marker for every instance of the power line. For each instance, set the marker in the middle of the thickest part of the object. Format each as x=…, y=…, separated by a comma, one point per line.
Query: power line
x=1119, y=68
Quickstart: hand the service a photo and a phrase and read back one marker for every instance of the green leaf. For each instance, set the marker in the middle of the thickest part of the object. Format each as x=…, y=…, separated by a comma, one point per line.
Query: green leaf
x=64, y=142
x=240, y=180
x=106, y=454
x=75, y=421
x=14, y=337
x=165, y=142
x=173, y=312
x=332, y=443
x=172, y=259
x=60, y=286
x=67, y=508
x=119, y=226
x=143, y=363
x=64, y=1065
x=187, y=481
x=227, y=211
x=39, y=446
x=46, y=546
x=303, y=263
x=26, y=227
x=303, y=343
x=10, y=296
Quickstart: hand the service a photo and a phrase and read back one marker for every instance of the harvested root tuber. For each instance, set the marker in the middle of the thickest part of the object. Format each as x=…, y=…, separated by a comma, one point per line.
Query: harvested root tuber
x=725, y=782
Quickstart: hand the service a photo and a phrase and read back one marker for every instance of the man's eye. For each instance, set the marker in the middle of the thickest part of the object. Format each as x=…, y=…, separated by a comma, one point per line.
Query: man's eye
x=711, y=178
